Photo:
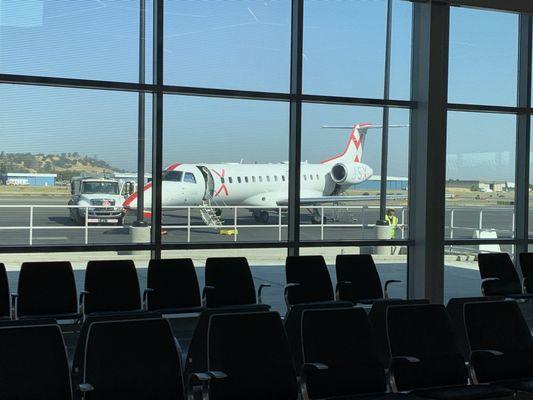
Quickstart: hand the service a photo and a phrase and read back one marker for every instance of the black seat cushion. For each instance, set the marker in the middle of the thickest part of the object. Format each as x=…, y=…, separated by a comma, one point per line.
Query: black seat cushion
x=197, y=353
x=499, y=326
x=4, y=293
x=252, y=350
x=498, y=265
x=134, y=359
x=473, y=392
x=360, y=270
x=312, y=276
x=343, y=340
x=231, y=280
x=293, y=325
x=47, y=288
x=378, y=320
x=34, y=362
x=455, y=309
x=425, y=332
x=112, y=286
x=174, y=284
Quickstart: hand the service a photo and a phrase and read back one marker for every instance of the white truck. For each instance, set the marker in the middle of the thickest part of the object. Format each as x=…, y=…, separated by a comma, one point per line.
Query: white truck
x=100, y=198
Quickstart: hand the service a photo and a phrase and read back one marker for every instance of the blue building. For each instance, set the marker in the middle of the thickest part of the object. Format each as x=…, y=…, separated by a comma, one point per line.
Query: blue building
x=28, y=179
x=393, y=183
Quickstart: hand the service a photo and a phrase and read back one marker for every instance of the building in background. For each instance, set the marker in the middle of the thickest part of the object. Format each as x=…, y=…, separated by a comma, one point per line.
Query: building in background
x=28, y=179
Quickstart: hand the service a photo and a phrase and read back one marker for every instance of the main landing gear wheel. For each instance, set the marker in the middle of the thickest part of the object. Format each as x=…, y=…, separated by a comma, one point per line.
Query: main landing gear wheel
x=218, y=212
x=261, y=216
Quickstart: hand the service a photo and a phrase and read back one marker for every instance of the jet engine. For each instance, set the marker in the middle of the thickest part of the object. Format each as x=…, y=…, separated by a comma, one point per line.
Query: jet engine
x=342, y=174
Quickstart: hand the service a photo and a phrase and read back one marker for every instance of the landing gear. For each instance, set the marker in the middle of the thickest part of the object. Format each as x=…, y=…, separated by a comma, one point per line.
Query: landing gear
x=316, y=218
x=218, y=212
x=261, y=216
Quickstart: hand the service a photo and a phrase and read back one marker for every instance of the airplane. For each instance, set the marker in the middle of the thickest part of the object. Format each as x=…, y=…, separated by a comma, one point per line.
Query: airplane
x=265, y=186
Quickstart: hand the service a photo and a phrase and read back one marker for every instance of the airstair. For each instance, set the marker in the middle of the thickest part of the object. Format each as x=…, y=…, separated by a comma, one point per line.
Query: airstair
x=210, y=216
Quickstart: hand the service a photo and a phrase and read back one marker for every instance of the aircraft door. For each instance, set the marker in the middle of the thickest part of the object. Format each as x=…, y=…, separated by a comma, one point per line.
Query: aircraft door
x=209, y=183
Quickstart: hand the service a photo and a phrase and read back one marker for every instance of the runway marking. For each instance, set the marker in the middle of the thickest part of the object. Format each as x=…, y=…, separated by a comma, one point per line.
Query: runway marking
x=51, y=238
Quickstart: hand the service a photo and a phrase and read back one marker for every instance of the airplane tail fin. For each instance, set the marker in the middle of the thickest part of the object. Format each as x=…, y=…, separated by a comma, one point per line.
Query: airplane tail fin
x=353, y=152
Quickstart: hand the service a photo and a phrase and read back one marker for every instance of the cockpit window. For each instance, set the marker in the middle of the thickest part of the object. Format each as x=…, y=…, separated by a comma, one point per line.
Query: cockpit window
x=174, y=176
x=189, y=177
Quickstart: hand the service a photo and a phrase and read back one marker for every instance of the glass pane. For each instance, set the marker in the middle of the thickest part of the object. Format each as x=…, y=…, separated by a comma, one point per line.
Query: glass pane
x=67, y=164
x=344, y=48
x=480, y=175
x=346, y=154
x=483, y=57
x=237, y=152
x=228, y=44
x=461, y=271
x=75, y=39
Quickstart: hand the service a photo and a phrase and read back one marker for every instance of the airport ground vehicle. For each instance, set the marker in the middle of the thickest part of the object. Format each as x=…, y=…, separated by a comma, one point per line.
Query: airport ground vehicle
x=101, y=197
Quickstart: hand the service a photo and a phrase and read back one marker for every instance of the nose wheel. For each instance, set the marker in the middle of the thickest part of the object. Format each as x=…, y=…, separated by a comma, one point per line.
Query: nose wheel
x=261, y=216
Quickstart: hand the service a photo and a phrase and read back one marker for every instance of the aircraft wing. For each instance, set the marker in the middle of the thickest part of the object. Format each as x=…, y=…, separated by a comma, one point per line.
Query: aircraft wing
x=338, y=199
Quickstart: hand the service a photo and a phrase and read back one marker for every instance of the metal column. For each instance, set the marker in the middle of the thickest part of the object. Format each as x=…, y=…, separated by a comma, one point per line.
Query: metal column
x=523, y=134
x=141, y=113
x=295, y=126
x=427, y=170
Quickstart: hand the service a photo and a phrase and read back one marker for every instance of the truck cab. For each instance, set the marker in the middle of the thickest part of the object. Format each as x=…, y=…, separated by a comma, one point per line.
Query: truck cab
x=99, y=200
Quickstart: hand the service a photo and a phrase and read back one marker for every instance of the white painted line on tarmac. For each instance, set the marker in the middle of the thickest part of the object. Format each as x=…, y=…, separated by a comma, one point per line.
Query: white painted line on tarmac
x=51, y=238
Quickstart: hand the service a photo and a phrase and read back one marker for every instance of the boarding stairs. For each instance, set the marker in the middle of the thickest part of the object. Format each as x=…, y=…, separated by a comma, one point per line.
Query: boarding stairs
x=210, y=216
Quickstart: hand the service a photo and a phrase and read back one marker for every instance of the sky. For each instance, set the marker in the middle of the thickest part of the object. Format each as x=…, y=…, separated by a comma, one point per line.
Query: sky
x=245, y=44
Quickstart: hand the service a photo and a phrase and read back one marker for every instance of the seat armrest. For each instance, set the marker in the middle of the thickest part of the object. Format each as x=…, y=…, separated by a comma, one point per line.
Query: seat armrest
x=85, y=387
x=386, y=287
x=145, y=297
x=484, y=281
x=525, y=284
x=83, y=295
x=286, y=292
x=315, y=367
x=201, y=381
x=392, y=371
x=488, y=351
x=260, y=292
x=204, y=294
x=410, y=359
x=306, y=368
x=338, y=287
x=14, y=305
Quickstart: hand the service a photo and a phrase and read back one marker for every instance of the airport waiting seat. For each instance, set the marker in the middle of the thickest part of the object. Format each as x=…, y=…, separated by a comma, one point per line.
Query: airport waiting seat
x=131, y=359
x=526, y=266
x=456, y=310
x=46, y=290
x=501, y=344
x=196, y=360
x=34, y=363
x=378, y=321
x=308, y=280
x=110, y=286
x=172, y=287
x=358, y=279
x=499, y=276
x=248, y=355
x=426, y=359
x=340, y=357
x=229, y=282
x=293, y=325
x=5, y=304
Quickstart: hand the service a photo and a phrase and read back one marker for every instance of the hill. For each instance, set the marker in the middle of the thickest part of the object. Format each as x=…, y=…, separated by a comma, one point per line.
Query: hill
x=65, y=165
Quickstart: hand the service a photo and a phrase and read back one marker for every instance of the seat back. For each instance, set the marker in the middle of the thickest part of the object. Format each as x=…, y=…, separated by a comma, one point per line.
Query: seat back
x=293, y=326
x=526, y=266
x=499, y=326
x=500, y=266
x=425, y=334
x=252, y=350
x=34, y=362
x=312, y=276
x=132, y=359
x=231, y=280
x=174, y=284
x=111, y=286
x=360, y=270
x=46, y=288
x=378, y=320
x=343, y=340
x=455, y=309
x=5, y=305
x=196, y=355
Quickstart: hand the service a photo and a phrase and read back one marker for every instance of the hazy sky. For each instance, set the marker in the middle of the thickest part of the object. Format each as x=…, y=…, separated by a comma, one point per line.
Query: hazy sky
x=245, y=45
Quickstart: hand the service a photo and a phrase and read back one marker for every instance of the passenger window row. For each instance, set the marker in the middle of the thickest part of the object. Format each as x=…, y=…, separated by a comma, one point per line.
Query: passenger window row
x=268, y=178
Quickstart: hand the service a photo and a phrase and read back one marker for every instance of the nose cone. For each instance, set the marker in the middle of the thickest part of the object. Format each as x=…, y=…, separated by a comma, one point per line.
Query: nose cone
x=131, y=202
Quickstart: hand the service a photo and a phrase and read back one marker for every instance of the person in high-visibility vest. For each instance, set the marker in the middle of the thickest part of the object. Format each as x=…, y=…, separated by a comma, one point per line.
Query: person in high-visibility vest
x=392, y=219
